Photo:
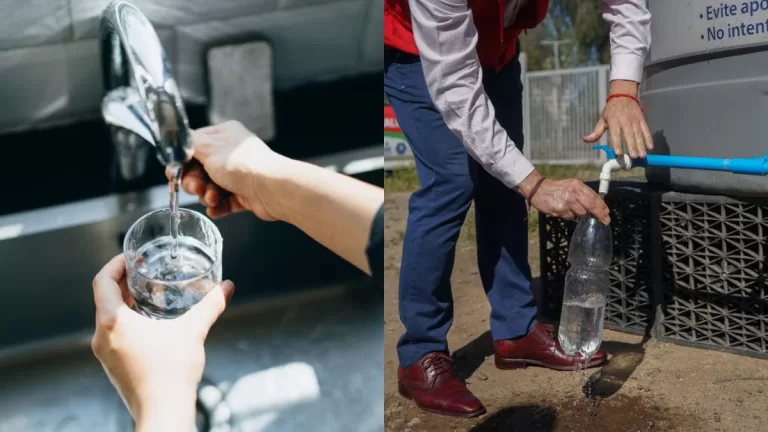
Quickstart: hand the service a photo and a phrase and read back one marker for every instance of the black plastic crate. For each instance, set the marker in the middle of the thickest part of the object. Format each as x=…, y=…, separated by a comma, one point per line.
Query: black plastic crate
x=712, y=290
x=554, y=239
x=630, y=306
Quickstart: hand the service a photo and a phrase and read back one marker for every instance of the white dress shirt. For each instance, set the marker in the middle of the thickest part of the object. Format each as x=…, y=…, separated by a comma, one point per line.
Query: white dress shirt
x=446, y=37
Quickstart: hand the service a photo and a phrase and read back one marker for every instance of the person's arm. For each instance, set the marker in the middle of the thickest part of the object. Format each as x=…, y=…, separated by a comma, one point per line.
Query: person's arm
x=630, y=39
x=234, y=170
x=336, y=210
x=170, y=416
x=447, y=40
x=375, y=250
x=630, y=23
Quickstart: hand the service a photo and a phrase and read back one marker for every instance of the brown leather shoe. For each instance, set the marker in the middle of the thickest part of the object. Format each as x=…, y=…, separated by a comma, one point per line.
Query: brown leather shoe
x=539, y=348
x=432, y=383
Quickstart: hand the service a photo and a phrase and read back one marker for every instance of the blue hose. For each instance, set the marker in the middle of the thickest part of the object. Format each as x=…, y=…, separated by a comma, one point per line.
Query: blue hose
x=751, y=166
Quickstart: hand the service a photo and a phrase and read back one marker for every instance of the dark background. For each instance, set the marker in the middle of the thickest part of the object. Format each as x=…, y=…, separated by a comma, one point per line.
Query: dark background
x=75, y=162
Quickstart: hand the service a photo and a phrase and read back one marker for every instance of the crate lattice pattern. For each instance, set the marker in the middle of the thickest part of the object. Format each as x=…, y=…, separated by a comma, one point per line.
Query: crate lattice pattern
x=713, y=274
x=554, y=265
x=629, y=303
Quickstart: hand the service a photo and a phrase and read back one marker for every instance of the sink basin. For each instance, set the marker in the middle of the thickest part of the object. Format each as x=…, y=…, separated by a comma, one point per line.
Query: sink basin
x=335, y=330
x=295, y=302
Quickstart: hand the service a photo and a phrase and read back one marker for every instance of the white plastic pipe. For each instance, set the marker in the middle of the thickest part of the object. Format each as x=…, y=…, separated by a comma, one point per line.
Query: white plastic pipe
x=622, y=162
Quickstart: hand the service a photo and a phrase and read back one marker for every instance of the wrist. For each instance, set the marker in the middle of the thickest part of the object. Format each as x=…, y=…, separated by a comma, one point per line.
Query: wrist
x=624, y=87
x=171, y=413
x=273, y=184
x=528, y=185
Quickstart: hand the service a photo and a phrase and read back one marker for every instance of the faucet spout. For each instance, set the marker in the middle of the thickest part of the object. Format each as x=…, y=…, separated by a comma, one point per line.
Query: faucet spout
x=610, y=166
x=121, y=107
x=142, y=96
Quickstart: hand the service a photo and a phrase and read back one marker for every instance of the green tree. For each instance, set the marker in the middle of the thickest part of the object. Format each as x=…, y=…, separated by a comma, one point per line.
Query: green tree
x=590, y=29
x=578, y=20
x=537, y=54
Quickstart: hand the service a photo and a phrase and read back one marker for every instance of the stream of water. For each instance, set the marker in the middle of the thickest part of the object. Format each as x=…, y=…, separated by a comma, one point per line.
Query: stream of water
x=174, y=184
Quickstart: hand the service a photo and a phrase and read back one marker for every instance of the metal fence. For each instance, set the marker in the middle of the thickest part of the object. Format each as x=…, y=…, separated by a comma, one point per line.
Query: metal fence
x=560, y=107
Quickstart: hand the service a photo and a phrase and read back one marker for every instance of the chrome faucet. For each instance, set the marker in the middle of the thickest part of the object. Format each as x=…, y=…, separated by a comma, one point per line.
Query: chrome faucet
x=142, y=103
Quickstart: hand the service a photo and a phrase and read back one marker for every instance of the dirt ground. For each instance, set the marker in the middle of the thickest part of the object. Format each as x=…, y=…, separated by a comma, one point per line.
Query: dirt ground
x=649, y=386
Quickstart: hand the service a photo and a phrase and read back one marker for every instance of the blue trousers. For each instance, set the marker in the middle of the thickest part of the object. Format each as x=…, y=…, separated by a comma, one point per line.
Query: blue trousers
x=450, y=180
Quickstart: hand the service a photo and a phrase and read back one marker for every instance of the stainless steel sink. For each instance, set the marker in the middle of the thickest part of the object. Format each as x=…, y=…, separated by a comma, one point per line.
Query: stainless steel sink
x=336, y=331
x=295, y=302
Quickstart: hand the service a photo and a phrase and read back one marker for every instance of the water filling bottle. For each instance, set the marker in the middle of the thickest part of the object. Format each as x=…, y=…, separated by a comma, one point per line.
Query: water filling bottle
x=586, y=288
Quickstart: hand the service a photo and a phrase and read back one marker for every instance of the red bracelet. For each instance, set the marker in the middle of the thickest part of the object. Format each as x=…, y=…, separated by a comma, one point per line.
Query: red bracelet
x=624, y=95
x=534, y=190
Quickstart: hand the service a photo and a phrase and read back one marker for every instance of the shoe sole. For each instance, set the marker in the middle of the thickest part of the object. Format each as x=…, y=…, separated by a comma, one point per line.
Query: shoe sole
x=510, y=364
x=406, y=394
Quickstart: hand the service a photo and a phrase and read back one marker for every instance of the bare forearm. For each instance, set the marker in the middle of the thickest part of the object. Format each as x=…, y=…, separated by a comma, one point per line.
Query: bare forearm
x=624, y=87
x=332, y=208
x=178, y=416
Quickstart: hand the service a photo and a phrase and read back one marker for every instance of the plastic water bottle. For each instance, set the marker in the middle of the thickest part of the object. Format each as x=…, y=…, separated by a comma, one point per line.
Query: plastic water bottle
x=586, y=288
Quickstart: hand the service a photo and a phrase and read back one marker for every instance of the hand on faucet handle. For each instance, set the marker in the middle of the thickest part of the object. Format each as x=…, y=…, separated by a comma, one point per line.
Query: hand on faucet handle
x=232, y=170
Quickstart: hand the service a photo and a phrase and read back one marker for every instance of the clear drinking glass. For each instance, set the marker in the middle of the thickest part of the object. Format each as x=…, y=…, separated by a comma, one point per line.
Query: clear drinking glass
x=166, y=286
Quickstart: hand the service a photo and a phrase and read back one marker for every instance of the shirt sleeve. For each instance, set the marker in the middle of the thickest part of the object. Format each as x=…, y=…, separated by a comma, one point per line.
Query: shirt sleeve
x=630, y=23
x=375, y=249
x=447, y=38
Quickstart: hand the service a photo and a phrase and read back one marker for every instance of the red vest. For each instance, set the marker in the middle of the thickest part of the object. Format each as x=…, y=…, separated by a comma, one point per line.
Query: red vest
x=496, y=46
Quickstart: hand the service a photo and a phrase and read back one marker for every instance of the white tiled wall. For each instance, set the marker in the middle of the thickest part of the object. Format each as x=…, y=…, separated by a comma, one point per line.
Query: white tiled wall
x=372, y=44
x=25, y=23
x=49, y=56
x=308, y=43
x=168, y=13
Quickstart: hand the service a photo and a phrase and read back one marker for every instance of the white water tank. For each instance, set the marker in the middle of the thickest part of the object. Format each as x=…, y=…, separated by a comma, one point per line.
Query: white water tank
x=705, y=90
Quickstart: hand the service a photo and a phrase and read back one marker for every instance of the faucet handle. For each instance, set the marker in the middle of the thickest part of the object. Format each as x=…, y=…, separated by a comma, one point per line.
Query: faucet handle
x=608, y=151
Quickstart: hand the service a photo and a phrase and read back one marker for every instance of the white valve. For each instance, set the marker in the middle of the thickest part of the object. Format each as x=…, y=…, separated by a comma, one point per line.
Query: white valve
x=622, y=162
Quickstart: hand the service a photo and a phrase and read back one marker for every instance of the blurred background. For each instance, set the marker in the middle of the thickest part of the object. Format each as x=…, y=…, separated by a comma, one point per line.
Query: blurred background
x=293, y=71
